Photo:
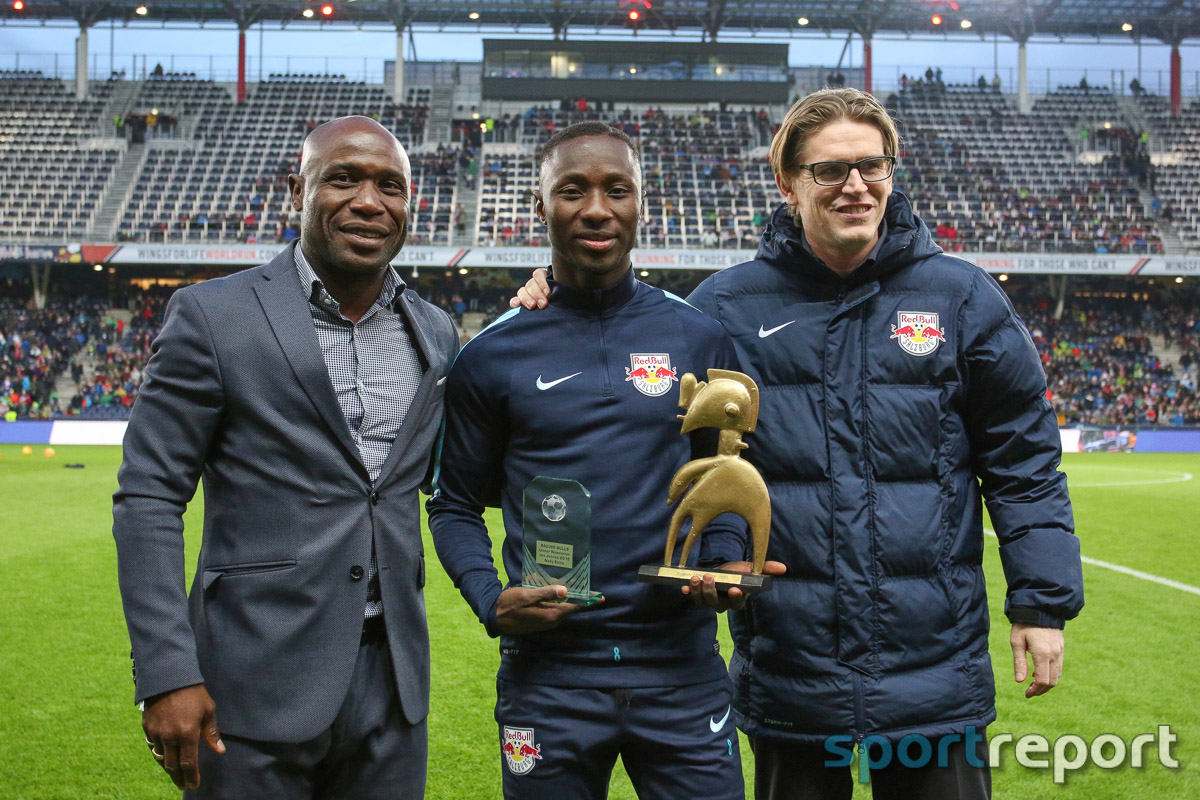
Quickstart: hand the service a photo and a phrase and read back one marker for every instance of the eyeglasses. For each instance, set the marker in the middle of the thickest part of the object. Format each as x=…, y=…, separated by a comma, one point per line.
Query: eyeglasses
x=835, y=173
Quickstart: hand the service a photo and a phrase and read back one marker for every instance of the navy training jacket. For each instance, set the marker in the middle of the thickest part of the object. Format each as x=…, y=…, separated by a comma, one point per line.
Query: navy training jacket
x=567, y=392
x=891, y=400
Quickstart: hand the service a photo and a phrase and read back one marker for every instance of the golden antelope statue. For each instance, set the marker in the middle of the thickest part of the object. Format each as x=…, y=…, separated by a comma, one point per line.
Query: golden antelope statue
x=724, y=482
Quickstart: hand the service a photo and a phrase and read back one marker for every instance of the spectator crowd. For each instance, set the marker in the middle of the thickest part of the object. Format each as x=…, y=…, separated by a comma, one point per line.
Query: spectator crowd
x=1102, y=355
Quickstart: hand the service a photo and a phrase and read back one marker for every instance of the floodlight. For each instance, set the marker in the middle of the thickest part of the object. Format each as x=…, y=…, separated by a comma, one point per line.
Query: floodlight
x=1127, y=26
x=802, y=21
x=308, y=12
x=965, y=24
x=473, y=15
x=141, y=11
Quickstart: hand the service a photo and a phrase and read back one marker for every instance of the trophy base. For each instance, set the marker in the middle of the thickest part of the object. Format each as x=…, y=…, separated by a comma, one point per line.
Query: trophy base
x=682, y=576
x=584, y=600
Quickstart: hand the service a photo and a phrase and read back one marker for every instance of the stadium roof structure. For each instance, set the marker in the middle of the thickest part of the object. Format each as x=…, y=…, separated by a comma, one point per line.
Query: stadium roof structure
x=1171, y=21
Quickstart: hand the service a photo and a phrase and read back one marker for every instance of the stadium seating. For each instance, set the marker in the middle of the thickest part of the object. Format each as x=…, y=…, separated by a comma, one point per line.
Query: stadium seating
x=224, y=176
x=1117, y=356
x=984, y=177
x=1070, y=176
x=54, y=179
x=38, y=346
x=702, y=171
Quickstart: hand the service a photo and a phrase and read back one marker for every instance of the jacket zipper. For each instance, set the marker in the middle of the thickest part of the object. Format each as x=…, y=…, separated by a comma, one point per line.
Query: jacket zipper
x=860, y=712
x=608, y=390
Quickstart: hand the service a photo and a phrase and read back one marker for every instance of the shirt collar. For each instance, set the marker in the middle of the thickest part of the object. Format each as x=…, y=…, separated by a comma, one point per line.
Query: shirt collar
x=315, y=290
x=594, y=300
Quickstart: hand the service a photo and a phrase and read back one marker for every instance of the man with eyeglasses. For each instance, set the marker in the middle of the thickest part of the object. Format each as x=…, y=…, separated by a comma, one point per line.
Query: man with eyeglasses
x=898, y=385
x=899, y=388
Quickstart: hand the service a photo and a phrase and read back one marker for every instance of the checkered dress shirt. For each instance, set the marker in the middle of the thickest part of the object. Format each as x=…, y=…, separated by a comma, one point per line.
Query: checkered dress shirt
x=375, y=371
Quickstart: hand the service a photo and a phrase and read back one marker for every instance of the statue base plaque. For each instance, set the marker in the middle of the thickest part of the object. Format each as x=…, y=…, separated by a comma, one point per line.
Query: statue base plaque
x=725, y=580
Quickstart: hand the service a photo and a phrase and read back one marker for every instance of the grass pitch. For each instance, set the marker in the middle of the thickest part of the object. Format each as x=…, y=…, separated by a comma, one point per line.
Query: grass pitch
x=69, y=730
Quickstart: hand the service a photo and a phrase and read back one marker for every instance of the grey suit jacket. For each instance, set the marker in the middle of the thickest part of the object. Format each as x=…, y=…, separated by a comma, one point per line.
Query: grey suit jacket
x=237, y=391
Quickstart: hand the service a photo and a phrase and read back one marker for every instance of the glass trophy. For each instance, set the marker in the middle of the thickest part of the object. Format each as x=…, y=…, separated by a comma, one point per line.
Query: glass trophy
x=557, y=543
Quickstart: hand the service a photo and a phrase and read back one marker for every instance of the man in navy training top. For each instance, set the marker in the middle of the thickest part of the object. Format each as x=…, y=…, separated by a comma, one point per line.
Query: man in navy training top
x=899, y=390
x=564, y=393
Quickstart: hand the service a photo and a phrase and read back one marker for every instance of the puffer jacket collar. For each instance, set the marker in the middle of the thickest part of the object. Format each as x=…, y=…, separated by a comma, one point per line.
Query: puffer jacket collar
x=907, y=241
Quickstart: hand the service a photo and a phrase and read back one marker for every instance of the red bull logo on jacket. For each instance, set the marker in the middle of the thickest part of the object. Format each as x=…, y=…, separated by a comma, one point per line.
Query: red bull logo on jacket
x=918, y=332
x=520, y=751
x=651, y=373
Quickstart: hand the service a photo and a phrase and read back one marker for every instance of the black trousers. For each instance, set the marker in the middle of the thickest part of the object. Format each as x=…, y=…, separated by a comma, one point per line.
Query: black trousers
x=370, y=752
x=789, y=771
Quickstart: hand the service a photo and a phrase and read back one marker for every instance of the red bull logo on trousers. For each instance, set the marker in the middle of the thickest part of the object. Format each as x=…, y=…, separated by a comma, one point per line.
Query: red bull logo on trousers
x=520, y=752
x=651, y=373
x=918, y=332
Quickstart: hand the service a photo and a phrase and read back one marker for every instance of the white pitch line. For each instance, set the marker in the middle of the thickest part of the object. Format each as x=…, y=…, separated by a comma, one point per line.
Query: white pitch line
x=1179, y=477
x=1137, y=573
x=1146, y=576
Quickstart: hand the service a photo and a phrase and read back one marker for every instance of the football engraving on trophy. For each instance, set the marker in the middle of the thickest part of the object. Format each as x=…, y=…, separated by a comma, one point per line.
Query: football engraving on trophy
x=719, y=484
x=557, y=538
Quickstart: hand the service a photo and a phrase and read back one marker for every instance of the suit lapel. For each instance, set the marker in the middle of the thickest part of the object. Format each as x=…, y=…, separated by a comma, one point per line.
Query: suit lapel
x=418, y=334
x=287, y=311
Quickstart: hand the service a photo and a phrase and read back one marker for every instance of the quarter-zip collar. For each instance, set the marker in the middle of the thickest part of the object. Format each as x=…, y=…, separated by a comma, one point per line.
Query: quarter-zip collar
x=604, y=302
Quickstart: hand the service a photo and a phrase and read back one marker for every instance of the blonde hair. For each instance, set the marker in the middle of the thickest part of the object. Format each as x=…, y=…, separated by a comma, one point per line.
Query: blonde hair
x=819, y=109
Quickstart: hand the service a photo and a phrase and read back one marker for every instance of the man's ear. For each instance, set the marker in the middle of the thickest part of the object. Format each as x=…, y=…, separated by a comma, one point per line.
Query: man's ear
x=296, y=189
x=786, y=189
x=539, y=207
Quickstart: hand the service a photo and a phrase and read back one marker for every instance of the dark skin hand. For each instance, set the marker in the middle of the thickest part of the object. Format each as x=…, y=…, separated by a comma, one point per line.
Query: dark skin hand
x=534, y=294
x=174, y=722
x=703, y=589
x=522, y=609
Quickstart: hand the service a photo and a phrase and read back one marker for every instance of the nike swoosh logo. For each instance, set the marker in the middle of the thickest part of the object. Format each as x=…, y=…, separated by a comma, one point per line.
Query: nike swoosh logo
x=544, y=385
x=764, y=333
x=714, y=725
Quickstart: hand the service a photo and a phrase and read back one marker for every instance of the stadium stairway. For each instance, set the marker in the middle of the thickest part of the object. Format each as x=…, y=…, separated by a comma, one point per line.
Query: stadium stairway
x=1172, y=244
x=468, y=195
x=65, y=386
x=441, y=108
x=122, y=99
x=117, y=196
x=1133, y=112
x=1167, y=352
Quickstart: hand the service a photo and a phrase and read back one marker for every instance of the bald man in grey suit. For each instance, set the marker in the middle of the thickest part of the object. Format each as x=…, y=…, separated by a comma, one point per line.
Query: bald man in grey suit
x=308, y=394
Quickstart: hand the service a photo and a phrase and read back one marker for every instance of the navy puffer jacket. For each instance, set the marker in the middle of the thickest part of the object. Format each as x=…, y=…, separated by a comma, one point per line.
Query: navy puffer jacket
x=891, y=401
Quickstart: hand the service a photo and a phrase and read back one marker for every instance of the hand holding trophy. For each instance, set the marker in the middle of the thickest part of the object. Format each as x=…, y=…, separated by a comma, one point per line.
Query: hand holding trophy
x=719, y=484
